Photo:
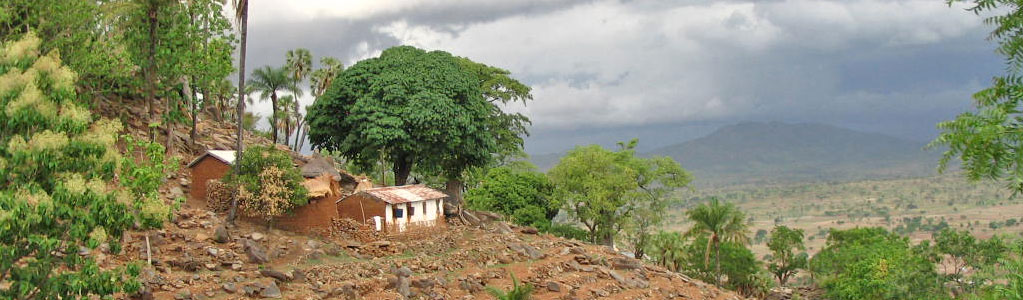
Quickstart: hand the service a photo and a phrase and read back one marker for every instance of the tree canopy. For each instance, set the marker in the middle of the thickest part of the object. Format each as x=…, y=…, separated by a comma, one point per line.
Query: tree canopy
x=410, y=107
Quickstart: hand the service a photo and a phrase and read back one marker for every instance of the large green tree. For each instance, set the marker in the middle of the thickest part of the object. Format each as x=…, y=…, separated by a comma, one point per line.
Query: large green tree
x=719, y=222
x=410, y=107
x=608, y=190
x=989, y=140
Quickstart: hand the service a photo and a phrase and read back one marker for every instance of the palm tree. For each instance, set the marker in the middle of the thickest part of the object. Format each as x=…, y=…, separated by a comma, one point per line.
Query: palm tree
x=319, y=81
x=241, y=16
x=300, y=63
x=268, y=81
x=723, y=222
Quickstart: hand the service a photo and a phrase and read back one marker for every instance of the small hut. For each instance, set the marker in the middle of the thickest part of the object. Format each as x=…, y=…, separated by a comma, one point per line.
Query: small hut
x=213, y=164
x=325, y=185
x=394, y=208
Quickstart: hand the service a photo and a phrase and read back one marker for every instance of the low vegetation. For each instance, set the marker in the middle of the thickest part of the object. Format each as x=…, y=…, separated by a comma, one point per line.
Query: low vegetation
x=268, y=182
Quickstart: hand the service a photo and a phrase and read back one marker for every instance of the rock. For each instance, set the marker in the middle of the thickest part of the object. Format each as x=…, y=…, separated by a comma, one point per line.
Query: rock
x=201, y=237
x=298, y=275
x=423, y=284
x=220, y=234
x=625, y=263
x=256, y=236
x=312, y=244
x=250, y=289
x=229, y=287
x=280, y=276
x=183, y=295
x=502, y=228
x=213, y=251
x=402, y=283
x=255, y=252
x=210, y=294
x=270, y=290
x=528, y=230
x=553, y=286
x=184, y=181
x=176, y=192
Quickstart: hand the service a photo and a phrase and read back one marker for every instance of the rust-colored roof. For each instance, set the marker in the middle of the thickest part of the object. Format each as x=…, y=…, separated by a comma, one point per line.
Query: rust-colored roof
x=403, y=194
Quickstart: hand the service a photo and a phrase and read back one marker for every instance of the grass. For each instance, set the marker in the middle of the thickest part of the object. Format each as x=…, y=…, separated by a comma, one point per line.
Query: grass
x=914, y=207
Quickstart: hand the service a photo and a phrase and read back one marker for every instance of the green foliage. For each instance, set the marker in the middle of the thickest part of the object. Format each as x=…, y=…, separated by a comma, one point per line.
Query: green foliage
x=568, y=231
x=270, y=185
x=987, y=138
x=737, y=263
x=668, y=249
x=961, y=250
x=408, y=107
x=525, y=196
x=517, y=292
x=60, y=192
x=721, y=223
x=608, y=190
x=872, y=263
x=269, y=82
x=74, y=28
x=785, y=261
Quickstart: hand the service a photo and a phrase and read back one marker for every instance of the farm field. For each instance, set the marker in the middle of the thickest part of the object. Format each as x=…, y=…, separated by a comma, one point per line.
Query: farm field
x=913, y=207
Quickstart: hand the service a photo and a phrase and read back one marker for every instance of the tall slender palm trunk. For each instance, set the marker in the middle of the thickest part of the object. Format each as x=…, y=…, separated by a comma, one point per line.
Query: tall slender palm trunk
x=241, y=102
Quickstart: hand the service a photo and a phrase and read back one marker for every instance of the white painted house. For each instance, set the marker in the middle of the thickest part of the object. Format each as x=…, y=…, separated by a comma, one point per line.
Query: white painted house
x=395, y=208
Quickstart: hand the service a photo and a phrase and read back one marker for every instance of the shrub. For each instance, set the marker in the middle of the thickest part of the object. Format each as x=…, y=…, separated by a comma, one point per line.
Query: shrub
x=523, y=195
x=270, y=185
x=61, y=190
x=872, y=263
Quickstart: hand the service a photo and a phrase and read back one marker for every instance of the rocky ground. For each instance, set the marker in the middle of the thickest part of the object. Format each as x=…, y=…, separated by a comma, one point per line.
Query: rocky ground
x=196, y=256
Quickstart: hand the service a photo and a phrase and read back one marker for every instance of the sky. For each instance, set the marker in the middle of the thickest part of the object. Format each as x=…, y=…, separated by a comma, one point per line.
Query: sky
x=669, y=71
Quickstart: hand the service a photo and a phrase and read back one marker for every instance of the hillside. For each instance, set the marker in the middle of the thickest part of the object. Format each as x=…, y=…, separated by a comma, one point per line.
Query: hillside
x=753, y=152
x=195, y=256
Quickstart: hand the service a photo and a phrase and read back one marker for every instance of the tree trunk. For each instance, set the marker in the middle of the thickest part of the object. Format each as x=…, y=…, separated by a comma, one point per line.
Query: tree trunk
x=454, y=188
x=169, y=126
x=638, y=253
x=717, y=265
x=402, y=168
x=241, y=102
x=150, y=70
x=187, y=89
x=298, y=134
x=287, y=125
x=273, y=117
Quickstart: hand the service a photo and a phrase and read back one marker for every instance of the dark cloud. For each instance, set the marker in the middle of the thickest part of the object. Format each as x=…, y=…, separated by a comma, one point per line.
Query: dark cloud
x=667, y=71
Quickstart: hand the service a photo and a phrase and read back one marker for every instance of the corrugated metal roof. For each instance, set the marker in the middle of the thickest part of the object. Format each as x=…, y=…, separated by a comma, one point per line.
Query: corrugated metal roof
x=404, y=194
x=226, y=156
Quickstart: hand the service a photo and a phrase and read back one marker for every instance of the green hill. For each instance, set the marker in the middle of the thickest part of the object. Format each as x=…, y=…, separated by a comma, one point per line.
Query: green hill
x=755, y=153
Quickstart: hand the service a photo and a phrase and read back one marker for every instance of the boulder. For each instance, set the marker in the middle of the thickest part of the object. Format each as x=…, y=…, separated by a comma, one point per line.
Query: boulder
x=255, y=252
x=220, y=234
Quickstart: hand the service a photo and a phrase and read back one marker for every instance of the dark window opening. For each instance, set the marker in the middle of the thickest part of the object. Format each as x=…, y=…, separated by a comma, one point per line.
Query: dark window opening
x=411, y=210
x=398, y=213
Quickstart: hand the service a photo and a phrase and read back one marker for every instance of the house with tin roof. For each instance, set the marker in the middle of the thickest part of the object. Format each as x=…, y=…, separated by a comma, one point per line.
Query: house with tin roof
x=213, y=164
x=394, y=208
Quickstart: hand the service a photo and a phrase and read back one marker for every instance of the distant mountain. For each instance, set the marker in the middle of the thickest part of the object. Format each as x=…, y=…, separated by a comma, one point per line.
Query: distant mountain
x=755, y=152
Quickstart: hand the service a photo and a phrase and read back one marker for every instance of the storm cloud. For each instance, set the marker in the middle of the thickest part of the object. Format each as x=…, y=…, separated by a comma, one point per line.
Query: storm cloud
x=666, y=71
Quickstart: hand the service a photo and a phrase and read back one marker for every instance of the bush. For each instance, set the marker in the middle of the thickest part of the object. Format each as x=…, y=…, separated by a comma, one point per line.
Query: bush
x=568, y=231
x=872, y=263
x=525, y=196
x=270, y=183
x=60, y=190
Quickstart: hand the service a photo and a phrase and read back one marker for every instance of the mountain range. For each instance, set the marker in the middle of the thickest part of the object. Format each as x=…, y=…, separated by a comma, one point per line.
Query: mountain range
x=776, y=152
